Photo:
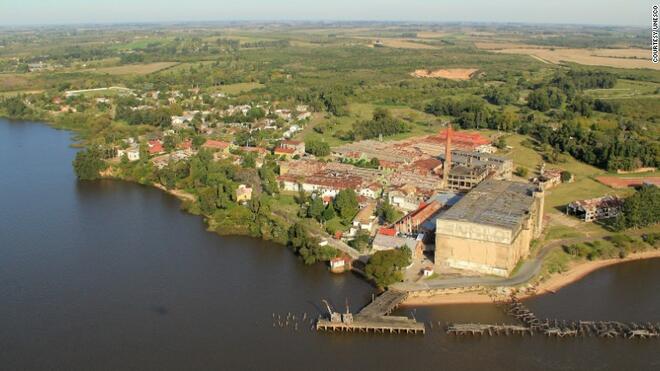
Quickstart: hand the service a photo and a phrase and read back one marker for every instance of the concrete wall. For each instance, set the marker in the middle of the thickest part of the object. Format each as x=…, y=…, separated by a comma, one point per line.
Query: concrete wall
x=485, y=257
x=473, y=231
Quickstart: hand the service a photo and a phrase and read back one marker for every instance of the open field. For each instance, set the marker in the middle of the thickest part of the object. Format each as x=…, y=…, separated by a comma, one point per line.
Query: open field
x=17, y=92
x=619, y=182
x=400, y=43
x=239, y=88
x=135, y=69
x=626, y=89
x=13, y=82
x=450, y=73
x=431, y=35
x=620, y=58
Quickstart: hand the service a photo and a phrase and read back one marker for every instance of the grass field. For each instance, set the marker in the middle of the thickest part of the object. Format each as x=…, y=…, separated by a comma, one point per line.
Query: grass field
x=626, y=89
x=14, y=82
x=584, y=187
x=400, y=43
x=233, y=89
x=135, y=69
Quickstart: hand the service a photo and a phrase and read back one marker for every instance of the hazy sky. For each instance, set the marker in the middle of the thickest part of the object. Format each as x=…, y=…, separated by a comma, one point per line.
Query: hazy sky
x=615, y=12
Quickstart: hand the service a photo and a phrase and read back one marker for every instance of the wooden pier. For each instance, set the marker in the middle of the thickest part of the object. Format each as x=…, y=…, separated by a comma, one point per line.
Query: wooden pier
x=373, y=318
x=491, y=330
x=555, y=328
x=381, y=325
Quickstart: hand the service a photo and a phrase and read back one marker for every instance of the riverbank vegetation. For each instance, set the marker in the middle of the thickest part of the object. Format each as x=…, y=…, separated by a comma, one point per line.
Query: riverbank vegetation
x=386, y=267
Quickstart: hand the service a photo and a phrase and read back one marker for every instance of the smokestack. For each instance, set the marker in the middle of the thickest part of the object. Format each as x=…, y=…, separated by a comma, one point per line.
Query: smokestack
x=446, y=167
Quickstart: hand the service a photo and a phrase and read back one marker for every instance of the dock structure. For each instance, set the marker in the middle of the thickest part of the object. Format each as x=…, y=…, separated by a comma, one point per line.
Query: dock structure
x=480, y=329
x=384, y=304
x=373, y=318
x=556, y=328
x=382, y=325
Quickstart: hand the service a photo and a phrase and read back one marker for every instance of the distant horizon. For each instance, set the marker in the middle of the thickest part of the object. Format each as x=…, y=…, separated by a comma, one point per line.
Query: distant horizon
x=616, y=13
x=314, y=21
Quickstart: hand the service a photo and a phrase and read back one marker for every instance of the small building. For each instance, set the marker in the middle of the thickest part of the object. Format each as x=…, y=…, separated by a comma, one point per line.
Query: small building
x=428, y=272
x=290, y=148
x=243, y=193
x=364, y=220
x=405, y=198
x=132, y=153
x=596, y=208
x=372, y=191
x=287, y=153
x=340, y=264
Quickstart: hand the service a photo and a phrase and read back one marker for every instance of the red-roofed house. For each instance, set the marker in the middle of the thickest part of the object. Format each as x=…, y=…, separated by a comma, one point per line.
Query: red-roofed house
x=155, y=147
x=387, y=231
x=186, y=144
x=217, y=145
x=286, y=152
x=296, y=145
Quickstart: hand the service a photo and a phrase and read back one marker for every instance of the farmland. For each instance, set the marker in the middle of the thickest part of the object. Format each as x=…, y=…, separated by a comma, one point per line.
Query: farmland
x=135, y=69
x=619, y=58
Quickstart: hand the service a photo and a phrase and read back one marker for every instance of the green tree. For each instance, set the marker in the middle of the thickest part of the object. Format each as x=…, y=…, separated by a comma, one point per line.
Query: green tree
x=208, y=196
x=308, y=247
x=317, y=148
x=361, y=241
x=387, y=212
x=88, y=163
x=385, y=267
x=316, y=208
x=641, y=209
x=329, y=212
x=346, y=204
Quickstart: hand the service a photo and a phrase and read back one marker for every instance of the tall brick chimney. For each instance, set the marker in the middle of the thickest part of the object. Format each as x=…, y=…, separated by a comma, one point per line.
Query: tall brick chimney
x=446, y=167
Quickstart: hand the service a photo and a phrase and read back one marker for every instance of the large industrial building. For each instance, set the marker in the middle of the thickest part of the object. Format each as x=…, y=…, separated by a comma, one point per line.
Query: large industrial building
x=490, y=229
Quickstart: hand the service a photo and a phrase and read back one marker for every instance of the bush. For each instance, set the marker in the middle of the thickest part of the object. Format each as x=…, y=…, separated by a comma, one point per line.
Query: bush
x=521, y=172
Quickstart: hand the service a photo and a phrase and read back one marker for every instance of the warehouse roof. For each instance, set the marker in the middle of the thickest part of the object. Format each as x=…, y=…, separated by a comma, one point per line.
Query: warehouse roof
x=498, y=203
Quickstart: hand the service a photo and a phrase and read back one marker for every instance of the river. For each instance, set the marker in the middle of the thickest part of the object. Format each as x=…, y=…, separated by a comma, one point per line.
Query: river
x=112, y=275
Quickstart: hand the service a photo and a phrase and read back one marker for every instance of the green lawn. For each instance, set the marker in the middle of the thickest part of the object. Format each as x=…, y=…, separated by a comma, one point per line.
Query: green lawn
x=242, y=87
x=625, y=89
x=584, y=187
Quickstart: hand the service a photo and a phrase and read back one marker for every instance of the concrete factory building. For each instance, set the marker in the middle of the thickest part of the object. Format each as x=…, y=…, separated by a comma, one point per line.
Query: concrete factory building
x=490, y=229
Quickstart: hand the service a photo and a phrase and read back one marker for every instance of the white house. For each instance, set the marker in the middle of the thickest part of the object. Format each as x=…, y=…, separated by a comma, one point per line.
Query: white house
x=132, y=153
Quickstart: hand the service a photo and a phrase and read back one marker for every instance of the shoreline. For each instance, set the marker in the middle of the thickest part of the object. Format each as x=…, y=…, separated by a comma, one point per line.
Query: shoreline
x=576, y=272
x=550, y=286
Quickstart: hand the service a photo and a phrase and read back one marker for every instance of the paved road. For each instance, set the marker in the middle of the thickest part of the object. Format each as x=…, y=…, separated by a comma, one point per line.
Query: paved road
x=526, y=272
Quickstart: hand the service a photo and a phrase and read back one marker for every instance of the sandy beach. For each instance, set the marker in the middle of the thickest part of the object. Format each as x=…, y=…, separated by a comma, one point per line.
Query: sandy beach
x=549, y=286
